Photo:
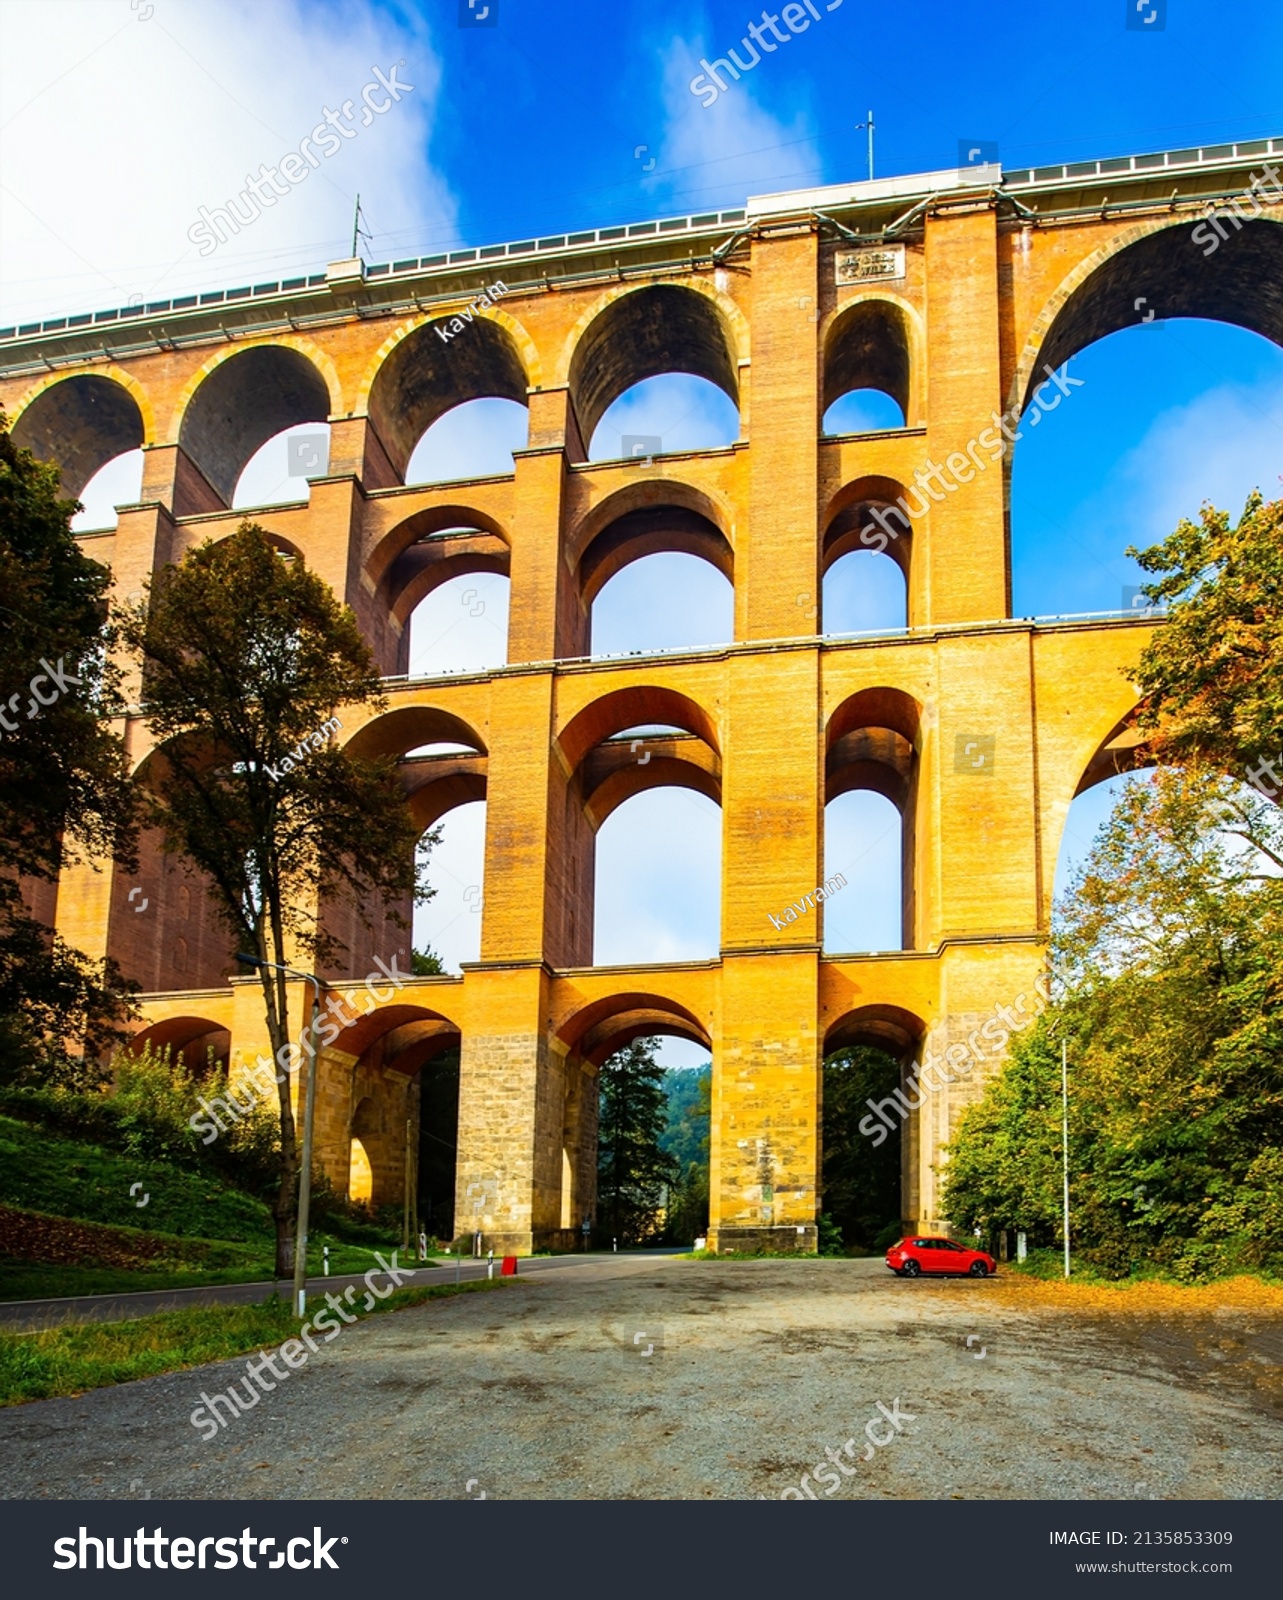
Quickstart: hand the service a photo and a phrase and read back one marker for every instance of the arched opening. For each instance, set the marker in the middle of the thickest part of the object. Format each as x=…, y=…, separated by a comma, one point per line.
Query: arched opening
x=616, y=748
x=1166, y=412
x=867, y=519
x=396, y=1071
x=428, y=375
x=449, y=925
x=666, y=415
x=871, y=773
x=658, y=882
x=473, y=440
x=82, y=425
x=863, y=848
x=278, y=471
x=415, y=559
x=1170, y=415
x=460, y=626
x=118, y=483
x=164, y=928
x=441, y=764
x=659, y=604
x=868, y=1127
x=864, y=592
x=253, y=396
x=645, y=334
x=867, y=369
x=360, y=1183
x=196, y=1042
x=666, y=601
x=612, y=1054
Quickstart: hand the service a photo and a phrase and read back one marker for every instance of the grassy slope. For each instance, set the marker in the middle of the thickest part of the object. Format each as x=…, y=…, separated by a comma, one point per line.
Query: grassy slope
x=218, y=1233
x=44, y=1171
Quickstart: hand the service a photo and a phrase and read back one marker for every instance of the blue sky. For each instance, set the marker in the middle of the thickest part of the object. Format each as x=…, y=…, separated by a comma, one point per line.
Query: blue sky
x=120, y=120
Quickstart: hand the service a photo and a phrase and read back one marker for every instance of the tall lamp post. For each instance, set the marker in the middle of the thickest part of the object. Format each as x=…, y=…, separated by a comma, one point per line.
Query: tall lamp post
x=1064, y=1139
x=309, y=1117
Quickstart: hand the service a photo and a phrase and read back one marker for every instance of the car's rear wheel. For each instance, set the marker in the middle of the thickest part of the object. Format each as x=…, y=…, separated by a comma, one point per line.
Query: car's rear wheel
x=911, y=1269
x=979, y=1270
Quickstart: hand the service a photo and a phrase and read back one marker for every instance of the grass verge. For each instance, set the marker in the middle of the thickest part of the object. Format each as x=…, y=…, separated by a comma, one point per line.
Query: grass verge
x=69, y=1360
x=54, y=1257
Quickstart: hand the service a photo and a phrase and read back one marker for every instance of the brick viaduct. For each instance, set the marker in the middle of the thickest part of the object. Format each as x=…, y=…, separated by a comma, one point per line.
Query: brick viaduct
x=953, y=292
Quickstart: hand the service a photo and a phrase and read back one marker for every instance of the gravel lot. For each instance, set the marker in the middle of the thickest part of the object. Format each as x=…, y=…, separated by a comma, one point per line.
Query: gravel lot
x=544, y=1389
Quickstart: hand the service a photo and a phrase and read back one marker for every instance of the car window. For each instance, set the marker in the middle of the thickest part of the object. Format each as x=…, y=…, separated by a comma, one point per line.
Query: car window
x=948, y=1244
x=922, y=1244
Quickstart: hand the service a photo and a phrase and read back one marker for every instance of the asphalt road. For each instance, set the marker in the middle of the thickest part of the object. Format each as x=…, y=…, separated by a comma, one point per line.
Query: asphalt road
x=655, y=1378
x=26, y=1316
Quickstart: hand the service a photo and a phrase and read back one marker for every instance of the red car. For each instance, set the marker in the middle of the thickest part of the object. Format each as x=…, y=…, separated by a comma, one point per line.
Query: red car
x=911, y=1257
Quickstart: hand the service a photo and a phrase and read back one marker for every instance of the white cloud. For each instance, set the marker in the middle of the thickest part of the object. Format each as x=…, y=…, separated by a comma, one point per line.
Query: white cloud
x=674, y=411
x=116, y=129
x=719, y=154
x=1219, y=447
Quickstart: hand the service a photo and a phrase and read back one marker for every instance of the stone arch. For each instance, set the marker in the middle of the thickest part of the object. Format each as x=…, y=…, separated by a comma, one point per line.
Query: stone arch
x=162, y=925
x=81, y=421
x=873, y=741
x=874, y=341
x=405, y=569
x=1237, y=283
x=415, y=377
x=887, y=1027
x=394, y=732
x=849, y=524
x=246, y=395
x=434, y=784
x=636, y=706
x=189, y=1039
x=371, y=1068
x=633, y=332
x=600, y=1028
x=1123, y=749
x=649, y=532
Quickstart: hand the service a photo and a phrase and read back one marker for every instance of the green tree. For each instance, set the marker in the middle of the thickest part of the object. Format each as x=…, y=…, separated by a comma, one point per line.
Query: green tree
x=65, y=794
x=688, y=1099
x=632, y=1167
x=246, y=655
x=861, y=1181
x=1212, y=676
x=1165, y=953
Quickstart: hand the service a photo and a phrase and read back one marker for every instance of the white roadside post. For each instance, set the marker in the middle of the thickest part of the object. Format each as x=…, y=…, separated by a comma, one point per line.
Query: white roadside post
x=1064, y=1139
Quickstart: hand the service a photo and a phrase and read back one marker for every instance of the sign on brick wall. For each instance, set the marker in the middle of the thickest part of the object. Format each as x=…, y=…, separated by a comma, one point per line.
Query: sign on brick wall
x=870, y=266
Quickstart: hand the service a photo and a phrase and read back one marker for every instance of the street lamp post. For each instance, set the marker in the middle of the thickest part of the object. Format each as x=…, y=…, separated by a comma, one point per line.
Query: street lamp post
x=1064, y=1139
x=309, y=1118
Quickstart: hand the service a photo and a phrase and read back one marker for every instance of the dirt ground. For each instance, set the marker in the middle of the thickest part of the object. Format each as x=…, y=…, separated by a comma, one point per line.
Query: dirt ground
x=658, y=1378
